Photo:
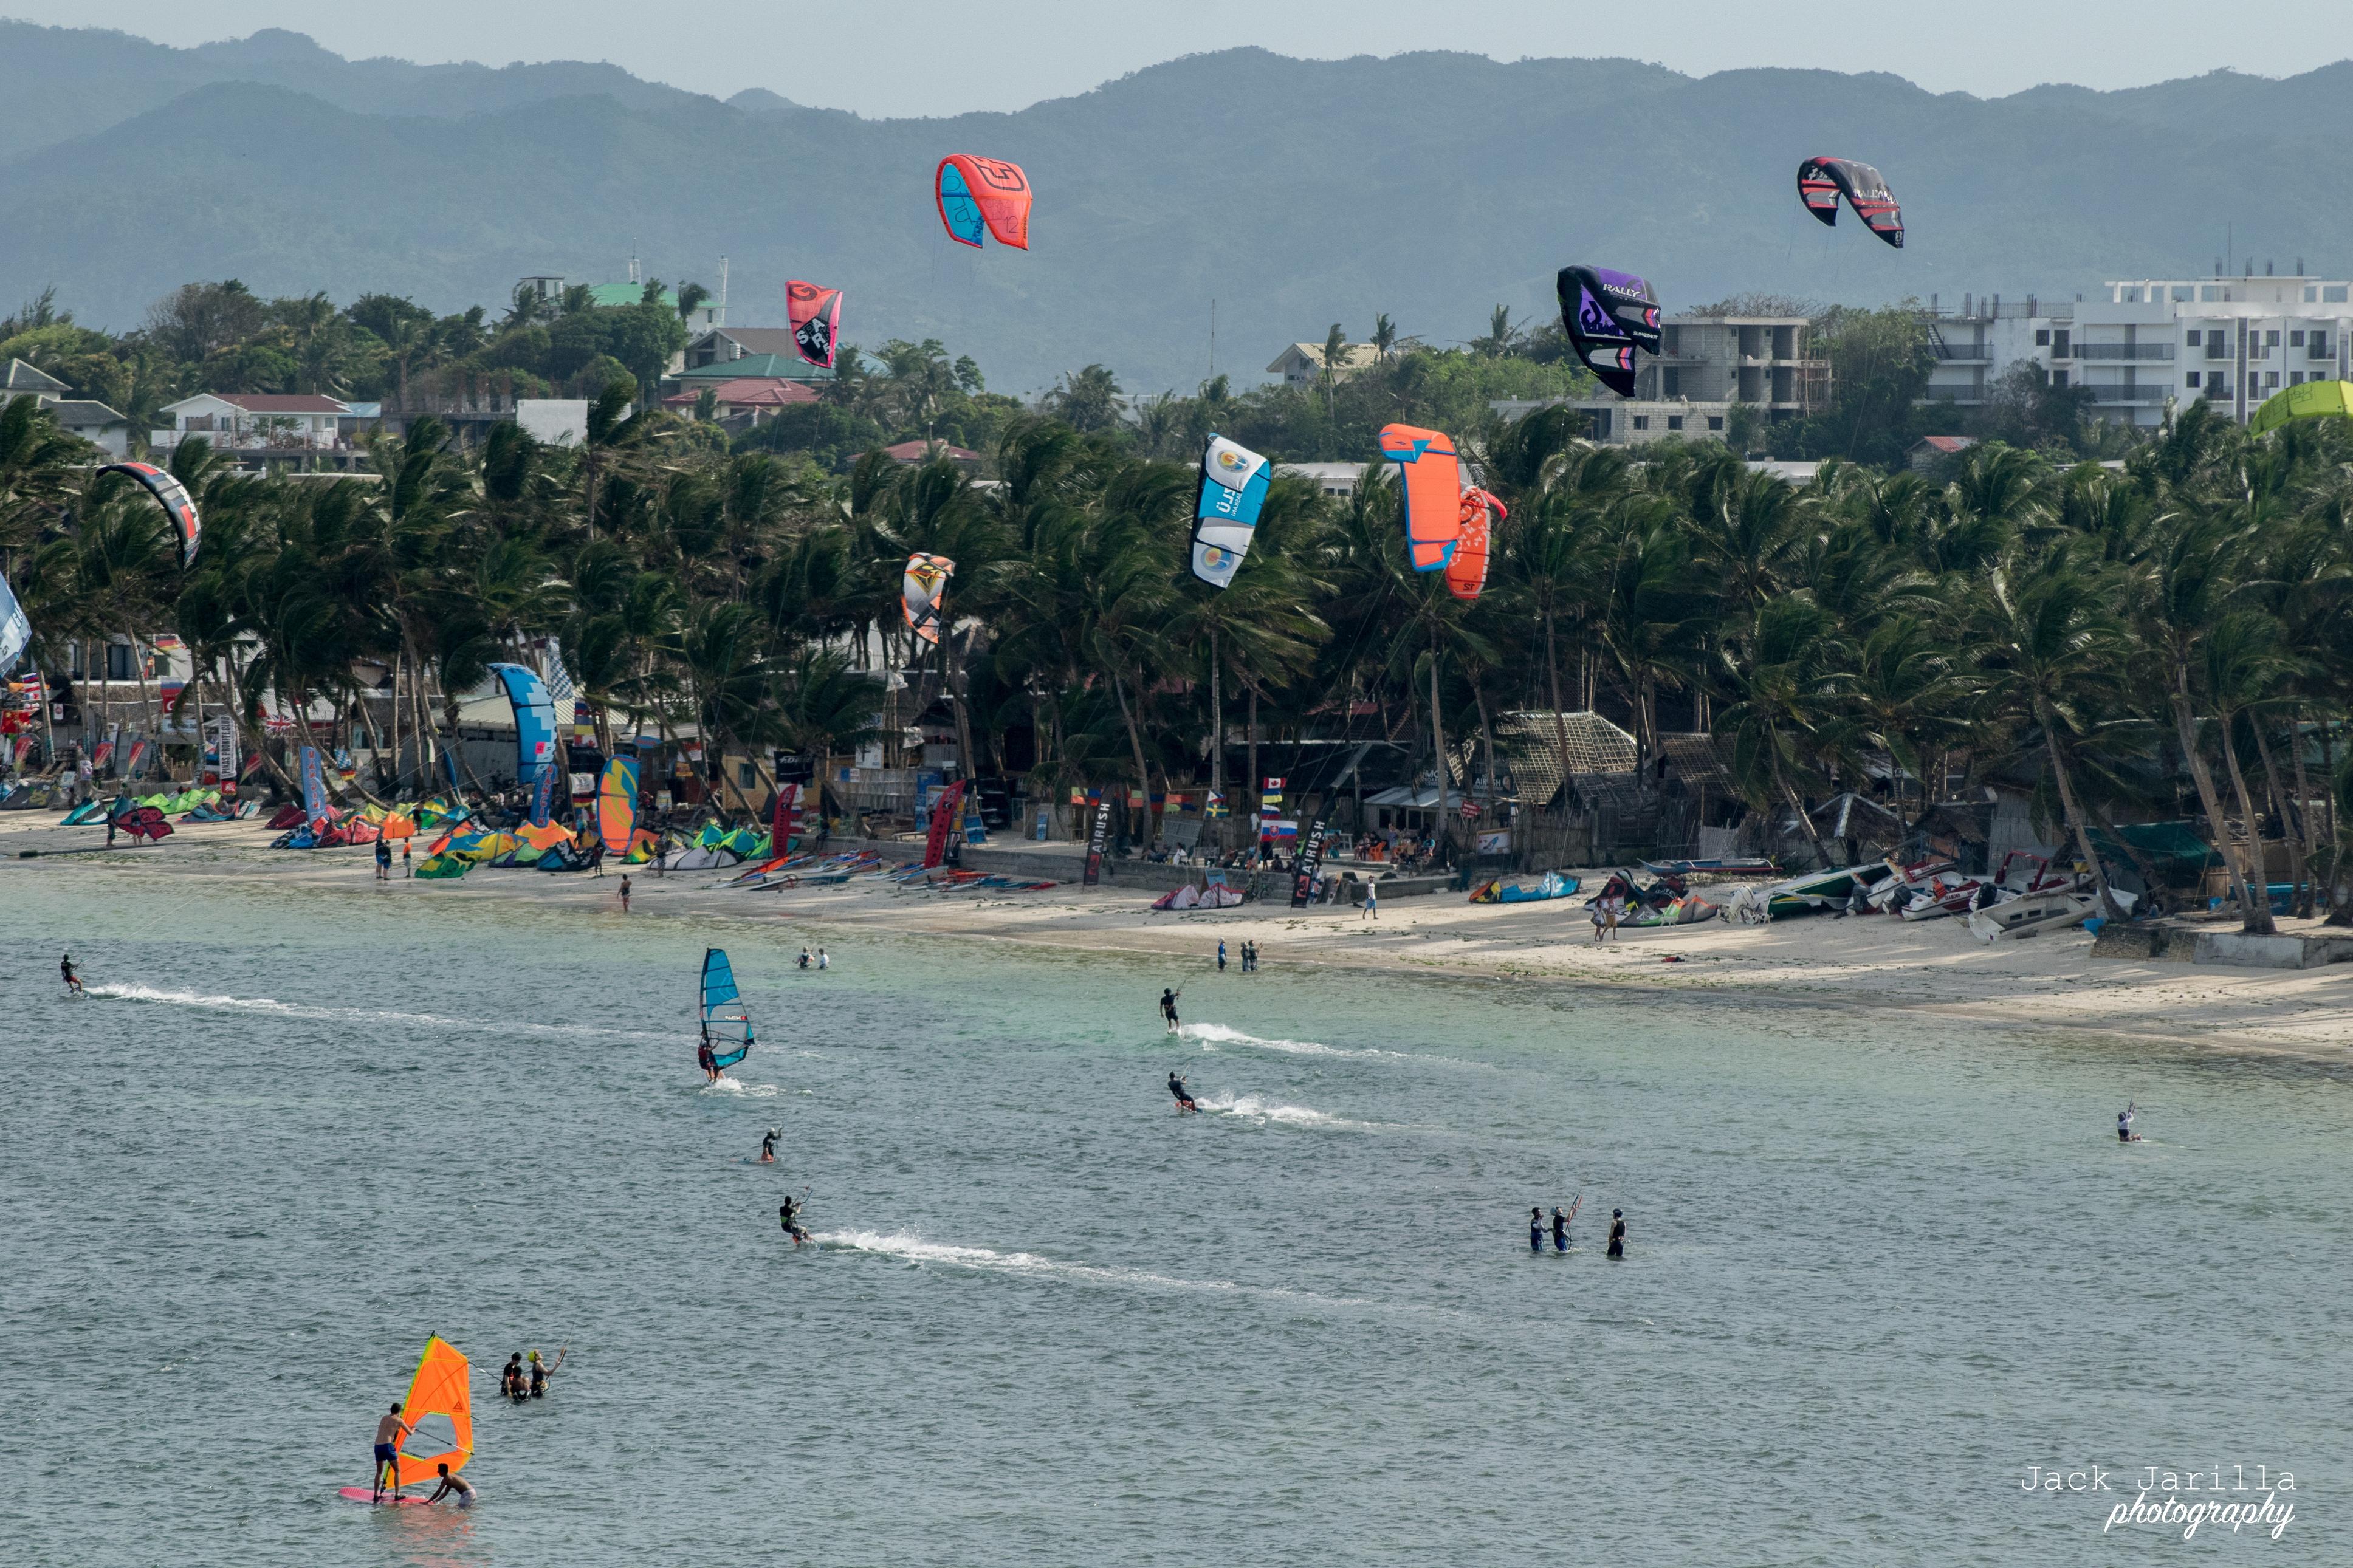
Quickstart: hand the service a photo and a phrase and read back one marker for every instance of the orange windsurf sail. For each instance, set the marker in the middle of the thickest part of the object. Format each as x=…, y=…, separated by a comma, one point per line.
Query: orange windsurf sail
x=442, y=1415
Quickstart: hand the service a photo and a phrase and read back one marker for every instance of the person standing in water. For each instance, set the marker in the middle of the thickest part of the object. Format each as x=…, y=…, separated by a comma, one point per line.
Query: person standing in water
x=1559, y=1229
x=542, y=1374
x=1536, y=1229
x=1168, y=1009
x=1184, y=1096
x=510, y=1379
x=384, y=859
x=2125, y=1134
x=389, y=1430
x=822, y=961
x=804, y=959
x=1221, y=955
x=453, y=1486
x=1618, y=1233
x=73, y=981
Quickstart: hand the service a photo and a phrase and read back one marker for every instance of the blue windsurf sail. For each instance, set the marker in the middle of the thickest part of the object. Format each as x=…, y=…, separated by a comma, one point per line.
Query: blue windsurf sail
x=726, y=1022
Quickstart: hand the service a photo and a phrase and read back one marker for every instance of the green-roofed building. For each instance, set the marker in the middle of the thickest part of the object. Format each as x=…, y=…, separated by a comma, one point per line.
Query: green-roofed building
x=778, y=367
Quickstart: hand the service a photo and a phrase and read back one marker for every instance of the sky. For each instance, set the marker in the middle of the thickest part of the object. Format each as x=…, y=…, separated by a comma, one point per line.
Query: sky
x=951, y=57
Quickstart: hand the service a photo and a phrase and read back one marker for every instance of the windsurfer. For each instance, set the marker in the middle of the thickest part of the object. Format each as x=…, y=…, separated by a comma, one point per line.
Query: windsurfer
x=1169, y=1007
x=65, y=968
x=2125, y=1134
x=453, y=1486
x=1184, y=1096
x=389, y=1430
x=768, y=1146
x=709, y=1063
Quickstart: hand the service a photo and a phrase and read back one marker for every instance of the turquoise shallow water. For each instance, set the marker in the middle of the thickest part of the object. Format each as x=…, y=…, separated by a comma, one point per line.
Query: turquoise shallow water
x=1878, y=1266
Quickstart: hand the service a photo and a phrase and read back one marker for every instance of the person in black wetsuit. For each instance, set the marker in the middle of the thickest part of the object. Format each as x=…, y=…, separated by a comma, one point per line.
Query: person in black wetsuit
x=768, y=1146
x=541, y=1374
x=1184, y=1096
x=1168, y=1009
x=788, y=1215
x=1618, y=1233
x=1559, y=1229
x=510, y=1379
x=65, y=967
x=1536, y=1229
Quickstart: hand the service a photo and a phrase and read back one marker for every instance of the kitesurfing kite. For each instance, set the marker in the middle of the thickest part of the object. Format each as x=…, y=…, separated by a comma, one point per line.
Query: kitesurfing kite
x=1433, y=492
x=440, y=1412
x=1608, y=315
x=2312, y=400
x=984, y=196
x=815, y=316
x=1822, y=181
x=1234, y=482
x=925, y=590
x=15, y=630
x=1466, y=570
x=726, y=1022
x=534, y=717
x=172, y=496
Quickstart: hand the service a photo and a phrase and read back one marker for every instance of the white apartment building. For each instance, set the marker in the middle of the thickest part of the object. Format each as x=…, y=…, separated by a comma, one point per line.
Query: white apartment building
x=1706, y=366
x=2144, y=342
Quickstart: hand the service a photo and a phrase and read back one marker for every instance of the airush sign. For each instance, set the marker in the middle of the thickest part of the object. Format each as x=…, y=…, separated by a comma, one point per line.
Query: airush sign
x=1096, y=839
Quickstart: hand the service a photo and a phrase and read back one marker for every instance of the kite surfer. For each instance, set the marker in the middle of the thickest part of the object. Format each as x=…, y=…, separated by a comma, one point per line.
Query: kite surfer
x=511, y=1384
x=2125, y=1134
x=73, y=981
x=1221, y=955
x=1559, y=1229
x=788, y=1214
x=389, y=1430
x=709, y=1063
x=1618, y=1234
x=768, y=1146
x=1184, y=1096
x=453, y=1486
x=1169, y=1007
x=542, y=1373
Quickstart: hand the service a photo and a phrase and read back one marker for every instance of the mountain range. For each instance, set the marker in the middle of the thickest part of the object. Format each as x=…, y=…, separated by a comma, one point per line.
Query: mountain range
x=1292, y=194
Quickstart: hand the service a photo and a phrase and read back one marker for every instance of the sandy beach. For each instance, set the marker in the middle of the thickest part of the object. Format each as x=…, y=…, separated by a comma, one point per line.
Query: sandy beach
x=1927, y=971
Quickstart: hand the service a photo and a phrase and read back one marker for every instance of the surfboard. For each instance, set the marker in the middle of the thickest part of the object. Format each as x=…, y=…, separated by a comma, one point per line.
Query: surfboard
x=361, y=1494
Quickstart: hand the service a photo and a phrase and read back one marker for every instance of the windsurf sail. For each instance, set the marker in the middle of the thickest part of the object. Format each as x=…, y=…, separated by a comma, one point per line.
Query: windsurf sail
x=15, y=630
x=534, y=717
x=1234, y=482
x=617, y=806
x=441, y=1414
x=924, y=589
x=984, y=196
x=815, y=314
x=1433, y=491
x=726, y=1022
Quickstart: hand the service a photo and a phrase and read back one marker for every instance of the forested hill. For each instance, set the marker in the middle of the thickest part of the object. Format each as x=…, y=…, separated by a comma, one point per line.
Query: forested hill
x=1295, y=194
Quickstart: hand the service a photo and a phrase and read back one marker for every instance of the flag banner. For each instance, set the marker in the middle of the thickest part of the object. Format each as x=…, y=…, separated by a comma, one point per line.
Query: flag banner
x=1096, y=839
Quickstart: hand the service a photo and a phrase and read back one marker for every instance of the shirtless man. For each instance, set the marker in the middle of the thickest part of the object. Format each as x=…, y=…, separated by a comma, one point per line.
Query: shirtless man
x=389, y=1430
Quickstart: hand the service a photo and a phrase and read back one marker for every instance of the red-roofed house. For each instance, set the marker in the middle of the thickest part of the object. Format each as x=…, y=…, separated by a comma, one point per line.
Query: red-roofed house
x=253, y=422
x=1931, y=450
x=913, y=452
x=752, y=396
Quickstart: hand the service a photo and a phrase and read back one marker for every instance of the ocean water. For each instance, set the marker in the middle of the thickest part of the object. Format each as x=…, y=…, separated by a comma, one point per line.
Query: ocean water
x=1879, y=1265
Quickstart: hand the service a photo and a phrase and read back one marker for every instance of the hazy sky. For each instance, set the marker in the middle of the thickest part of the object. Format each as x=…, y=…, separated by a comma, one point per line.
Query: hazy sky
x=946, y=56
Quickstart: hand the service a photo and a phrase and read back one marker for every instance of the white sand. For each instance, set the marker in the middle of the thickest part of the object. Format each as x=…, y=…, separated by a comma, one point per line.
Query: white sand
x=1929, y=970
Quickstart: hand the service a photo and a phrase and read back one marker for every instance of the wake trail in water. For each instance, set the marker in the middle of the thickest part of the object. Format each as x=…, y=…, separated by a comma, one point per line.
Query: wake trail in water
x=747, y=1091
x=1257, y=1109
x=1212, y=1035
x=276, y=1008
x=916, y=1252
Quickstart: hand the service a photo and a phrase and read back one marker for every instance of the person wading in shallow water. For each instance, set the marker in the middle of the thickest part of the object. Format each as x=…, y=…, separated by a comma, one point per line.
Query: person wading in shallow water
x=1618, y=1233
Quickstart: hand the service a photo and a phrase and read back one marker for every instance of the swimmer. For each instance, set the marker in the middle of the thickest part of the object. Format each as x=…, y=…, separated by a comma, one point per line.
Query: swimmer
x=768, y=1146
x=1184, y=1096
x=453, y=1486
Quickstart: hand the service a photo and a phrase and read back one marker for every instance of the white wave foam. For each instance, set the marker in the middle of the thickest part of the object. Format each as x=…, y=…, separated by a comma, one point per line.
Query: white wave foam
x=1214, y=1034
x=1256, y=1108
x=748, y=1090
x=276, y=1008
x=916, y=1252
